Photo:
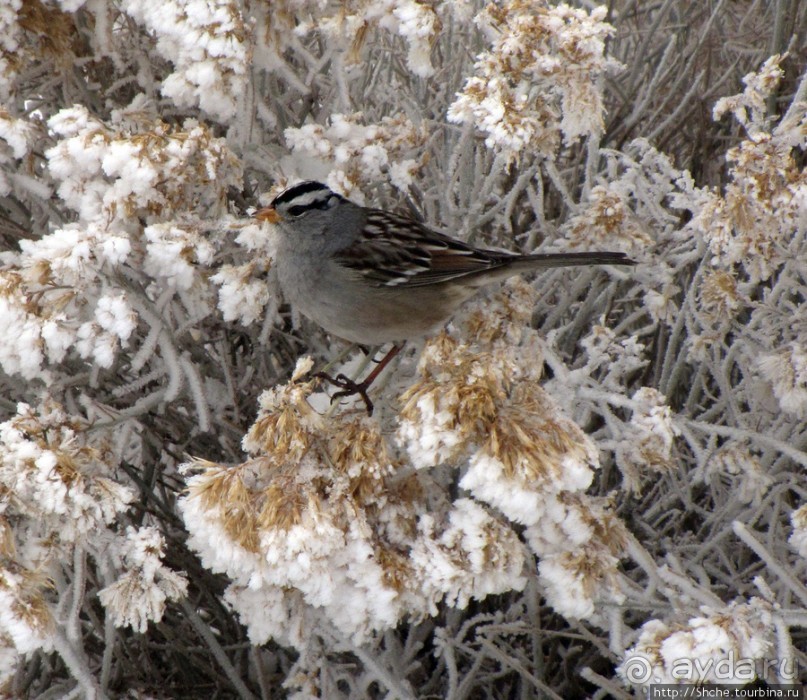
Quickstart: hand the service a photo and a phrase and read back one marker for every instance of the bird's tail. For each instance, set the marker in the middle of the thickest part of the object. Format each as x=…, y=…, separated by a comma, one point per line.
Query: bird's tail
x=543, y=260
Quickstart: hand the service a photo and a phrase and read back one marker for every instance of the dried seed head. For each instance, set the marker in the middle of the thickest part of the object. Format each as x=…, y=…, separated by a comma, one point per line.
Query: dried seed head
x=719, y=294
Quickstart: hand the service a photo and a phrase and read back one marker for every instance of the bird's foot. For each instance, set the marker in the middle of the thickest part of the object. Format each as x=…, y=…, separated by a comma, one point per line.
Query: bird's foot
x=348, y=387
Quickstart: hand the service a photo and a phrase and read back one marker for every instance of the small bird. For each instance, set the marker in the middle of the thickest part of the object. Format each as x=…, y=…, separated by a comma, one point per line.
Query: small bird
x=373, y=277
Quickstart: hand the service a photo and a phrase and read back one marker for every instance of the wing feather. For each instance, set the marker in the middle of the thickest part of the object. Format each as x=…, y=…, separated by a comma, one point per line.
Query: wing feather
x=416, y=255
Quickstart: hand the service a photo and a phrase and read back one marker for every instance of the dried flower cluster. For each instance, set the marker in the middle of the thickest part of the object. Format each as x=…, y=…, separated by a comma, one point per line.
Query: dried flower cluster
x=318, y=525
x=55, y=294
x=58, y=492
x=209, y=47
x=359, y=154
x=9, y=44
x=753, y=221
x=16, y=139
x=798, y=538
x=349, y=26
x=650, y=436
x=608, y=222
x=524, y=457
x=139, y=595
x=544, y=62
x=137, y=165
x=721, y=646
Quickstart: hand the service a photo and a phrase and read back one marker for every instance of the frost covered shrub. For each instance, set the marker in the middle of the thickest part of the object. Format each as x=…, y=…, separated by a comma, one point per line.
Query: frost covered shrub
x=586, y=481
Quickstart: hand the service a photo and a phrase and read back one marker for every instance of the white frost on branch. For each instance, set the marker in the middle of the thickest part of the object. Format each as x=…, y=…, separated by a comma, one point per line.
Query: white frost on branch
x=64, y=495
x=140, y=594
x=541, y=77
x=786, y=370
x=798, y=538
x=208, y=44
x=174, y=253
x=720, y=646
x=61, y=476
x=9, y=45
x=322, y=526
x=359, y=153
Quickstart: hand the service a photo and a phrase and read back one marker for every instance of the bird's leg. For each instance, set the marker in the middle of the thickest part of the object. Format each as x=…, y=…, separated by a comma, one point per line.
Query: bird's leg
x=349, y=387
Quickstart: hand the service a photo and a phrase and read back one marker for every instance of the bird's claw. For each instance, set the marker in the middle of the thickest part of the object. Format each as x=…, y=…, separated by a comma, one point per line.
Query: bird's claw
x=348, y=387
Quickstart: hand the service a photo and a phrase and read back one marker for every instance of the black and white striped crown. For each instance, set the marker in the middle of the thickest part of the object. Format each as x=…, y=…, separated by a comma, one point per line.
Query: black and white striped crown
x=305, y=196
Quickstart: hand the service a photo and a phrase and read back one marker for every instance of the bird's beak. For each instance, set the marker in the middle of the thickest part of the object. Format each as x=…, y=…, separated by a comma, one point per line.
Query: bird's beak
x=267, y=214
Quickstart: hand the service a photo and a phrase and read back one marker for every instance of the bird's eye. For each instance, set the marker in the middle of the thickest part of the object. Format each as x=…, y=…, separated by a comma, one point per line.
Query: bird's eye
x=298, y=210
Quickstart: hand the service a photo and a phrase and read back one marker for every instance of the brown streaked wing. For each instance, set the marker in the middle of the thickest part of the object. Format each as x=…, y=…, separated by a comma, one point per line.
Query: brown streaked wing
x=417, y=256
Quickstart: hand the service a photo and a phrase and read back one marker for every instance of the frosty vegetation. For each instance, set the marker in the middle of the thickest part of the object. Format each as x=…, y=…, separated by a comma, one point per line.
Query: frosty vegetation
x=589, y=477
